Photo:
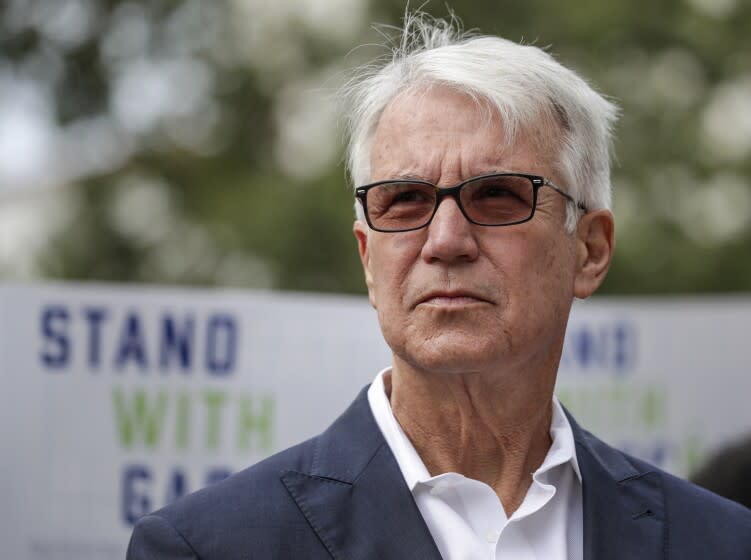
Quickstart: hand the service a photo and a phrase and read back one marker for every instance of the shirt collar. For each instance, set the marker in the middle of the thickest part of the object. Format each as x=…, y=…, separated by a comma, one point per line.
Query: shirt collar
x=412, y=467
x=562, y=449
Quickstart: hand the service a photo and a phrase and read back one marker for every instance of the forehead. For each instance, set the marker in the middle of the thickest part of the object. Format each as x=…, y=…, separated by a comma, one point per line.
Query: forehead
x=442, y=135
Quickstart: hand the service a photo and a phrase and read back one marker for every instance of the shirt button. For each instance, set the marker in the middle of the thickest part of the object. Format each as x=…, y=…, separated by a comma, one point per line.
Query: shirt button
x=492, y=536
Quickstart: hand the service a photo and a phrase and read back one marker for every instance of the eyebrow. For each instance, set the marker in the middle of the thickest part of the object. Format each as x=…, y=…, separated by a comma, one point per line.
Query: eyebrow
x=415, y=177
x=411, y=177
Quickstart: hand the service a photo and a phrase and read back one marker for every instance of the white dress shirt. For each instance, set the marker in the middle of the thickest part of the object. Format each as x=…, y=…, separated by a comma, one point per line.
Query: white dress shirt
x=466, y=517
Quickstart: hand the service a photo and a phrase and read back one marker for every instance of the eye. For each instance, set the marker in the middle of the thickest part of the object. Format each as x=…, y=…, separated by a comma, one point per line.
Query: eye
x=494, y=191
x=505, y=190
x=400, y=199
x=413, y=195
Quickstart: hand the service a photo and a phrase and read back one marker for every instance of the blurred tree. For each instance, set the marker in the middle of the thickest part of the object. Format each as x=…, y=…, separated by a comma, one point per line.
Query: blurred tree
x=199, y=144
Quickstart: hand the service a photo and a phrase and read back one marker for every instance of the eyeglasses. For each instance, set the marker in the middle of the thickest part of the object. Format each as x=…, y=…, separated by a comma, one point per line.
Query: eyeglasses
x=500, y=199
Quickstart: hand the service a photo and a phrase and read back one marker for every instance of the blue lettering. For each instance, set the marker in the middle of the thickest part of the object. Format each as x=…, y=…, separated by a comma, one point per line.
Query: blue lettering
x=139, y=483
x=221, y=341
x=625, y=346
x=54, y=327
x=135, y=493
x=176, y=341
x=132, y=344
x=100, y=338
x=607, y=348
x=217, y=475
x=177, y=486
x=584, y=347
x=94, y=317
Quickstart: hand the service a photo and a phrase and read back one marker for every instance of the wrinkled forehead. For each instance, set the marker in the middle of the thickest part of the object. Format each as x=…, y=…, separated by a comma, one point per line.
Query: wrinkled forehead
x=432, y=123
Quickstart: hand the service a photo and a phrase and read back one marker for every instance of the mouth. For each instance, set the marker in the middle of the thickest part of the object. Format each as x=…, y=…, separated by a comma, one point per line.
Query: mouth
x=452, y=298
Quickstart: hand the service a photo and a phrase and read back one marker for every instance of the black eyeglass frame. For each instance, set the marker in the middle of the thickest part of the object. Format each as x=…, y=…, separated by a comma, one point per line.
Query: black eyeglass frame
x=537, y=183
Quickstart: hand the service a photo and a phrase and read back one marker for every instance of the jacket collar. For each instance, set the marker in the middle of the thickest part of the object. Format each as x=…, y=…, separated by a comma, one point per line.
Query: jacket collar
x=623, y=501
x=355, y=498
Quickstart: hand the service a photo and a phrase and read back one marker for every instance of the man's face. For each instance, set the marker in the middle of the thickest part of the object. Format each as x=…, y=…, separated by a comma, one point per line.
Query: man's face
x=456, y=297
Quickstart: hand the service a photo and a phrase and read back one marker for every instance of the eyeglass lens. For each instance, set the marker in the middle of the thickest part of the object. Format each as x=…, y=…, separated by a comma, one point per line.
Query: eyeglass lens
x=488, y=201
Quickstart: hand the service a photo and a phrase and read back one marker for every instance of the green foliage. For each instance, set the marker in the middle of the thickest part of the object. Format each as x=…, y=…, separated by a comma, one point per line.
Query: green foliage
x=233, y=212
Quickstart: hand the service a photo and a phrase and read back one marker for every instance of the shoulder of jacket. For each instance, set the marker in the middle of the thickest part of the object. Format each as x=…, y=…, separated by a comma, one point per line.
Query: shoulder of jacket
x=253, y=494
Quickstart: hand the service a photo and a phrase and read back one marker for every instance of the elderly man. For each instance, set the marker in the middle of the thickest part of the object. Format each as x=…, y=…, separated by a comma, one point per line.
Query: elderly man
x=482, y=173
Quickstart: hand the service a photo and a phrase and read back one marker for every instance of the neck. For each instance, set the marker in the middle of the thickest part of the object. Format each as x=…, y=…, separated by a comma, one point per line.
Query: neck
x=490, y=427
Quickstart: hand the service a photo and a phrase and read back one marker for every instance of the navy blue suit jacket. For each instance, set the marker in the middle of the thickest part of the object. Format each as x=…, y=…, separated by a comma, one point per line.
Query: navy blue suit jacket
x=341, y=495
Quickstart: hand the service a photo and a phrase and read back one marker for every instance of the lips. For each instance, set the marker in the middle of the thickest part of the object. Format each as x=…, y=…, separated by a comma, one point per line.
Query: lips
x=449, y=298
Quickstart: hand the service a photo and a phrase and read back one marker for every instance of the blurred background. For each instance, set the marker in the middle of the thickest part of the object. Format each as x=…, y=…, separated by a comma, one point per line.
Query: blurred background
x=196, y=142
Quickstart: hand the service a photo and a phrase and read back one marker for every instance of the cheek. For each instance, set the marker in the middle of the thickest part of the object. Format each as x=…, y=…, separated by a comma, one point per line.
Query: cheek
x=540, y=282
x=394, y=270
x=556, y=290
x=549, y=255
x=391, y=307
x=391, y=261
x=387, y=291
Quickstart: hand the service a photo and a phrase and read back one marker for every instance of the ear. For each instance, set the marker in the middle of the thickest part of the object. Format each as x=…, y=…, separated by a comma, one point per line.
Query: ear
x=361, y=230
x=595, y=241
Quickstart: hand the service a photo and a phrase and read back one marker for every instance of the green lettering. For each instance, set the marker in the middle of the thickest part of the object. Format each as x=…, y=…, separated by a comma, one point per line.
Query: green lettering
x=251, y=420
x=182, y=421
x=653, y=407
x=139, y=419
x=694, y=454
x=214, y=402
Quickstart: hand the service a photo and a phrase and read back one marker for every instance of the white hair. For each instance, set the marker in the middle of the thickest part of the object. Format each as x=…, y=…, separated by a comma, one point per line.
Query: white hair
x=523, y=84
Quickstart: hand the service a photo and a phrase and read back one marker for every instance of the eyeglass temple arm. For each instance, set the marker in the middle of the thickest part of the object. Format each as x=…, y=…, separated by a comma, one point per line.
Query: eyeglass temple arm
x=563, y=193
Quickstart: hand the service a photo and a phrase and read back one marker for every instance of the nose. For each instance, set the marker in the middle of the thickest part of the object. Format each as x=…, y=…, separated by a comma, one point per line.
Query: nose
x=451, y=237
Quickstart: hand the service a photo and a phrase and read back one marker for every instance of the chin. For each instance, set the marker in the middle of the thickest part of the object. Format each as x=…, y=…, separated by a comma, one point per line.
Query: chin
x=453, y=356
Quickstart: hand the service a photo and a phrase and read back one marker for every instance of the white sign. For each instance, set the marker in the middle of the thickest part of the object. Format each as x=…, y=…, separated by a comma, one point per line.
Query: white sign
x=117, y=400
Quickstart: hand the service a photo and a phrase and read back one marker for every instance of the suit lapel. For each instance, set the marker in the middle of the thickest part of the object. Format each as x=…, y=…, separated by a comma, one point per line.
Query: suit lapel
x=354, y=496
x=624, y=514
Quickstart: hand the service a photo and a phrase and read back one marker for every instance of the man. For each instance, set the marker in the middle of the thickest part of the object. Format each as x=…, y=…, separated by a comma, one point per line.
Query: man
x=482, y=173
